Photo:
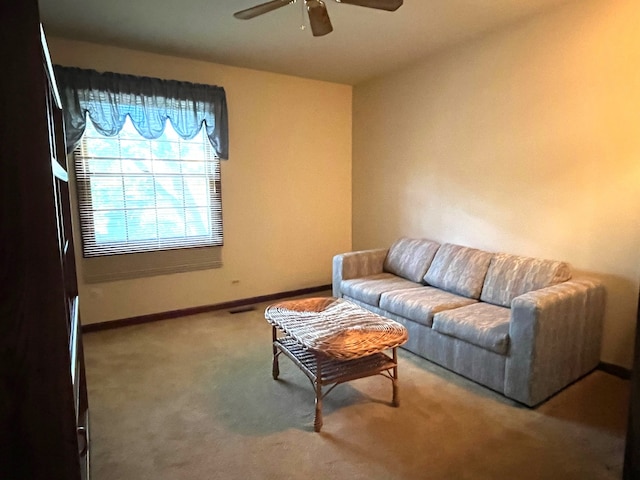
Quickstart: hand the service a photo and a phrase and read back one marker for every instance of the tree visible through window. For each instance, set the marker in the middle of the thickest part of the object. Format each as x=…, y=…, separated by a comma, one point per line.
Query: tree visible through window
x=139, y=195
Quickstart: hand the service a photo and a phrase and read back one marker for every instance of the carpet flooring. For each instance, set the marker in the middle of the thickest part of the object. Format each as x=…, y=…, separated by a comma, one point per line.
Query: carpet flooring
x=193, y=398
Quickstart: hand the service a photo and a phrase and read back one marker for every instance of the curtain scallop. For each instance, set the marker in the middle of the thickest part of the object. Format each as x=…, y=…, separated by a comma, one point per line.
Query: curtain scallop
x=109, y=97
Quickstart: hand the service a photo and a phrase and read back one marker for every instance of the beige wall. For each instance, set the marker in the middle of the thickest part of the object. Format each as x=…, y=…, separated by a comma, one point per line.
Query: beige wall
x=526, y=140
x=286, y=186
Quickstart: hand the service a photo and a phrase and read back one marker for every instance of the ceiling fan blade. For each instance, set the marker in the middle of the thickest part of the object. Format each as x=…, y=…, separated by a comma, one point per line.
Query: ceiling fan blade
x=389, y=5
x=318, y=18
x=260, y=9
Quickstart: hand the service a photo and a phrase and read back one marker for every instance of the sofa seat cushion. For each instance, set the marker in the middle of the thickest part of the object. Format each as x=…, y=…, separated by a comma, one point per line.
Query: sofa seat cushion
x=368, y=289
x=510, y=276
x=459, y=270
x=421, y=304
x=481, y=324
x=410, y=258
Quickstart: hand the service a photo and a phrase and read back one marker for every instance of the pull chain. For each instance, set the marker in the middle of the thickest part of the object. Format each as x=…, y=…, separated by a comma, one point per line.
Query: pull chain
x=302, y=26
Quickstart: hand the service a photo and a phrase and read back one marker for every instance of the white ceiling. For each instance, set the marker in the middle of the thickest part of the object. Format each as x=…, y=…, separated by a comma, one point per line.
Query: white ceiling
x=365, y=42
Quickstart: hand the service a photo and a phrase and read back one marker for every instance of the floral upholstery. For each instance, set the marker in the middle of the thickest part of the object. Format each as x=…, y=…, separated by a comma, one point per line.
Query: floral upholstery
x=459, y=269
x=410, y=258
x=510, y=276
x=421, y=304
x=481, y=324
x=368, y=289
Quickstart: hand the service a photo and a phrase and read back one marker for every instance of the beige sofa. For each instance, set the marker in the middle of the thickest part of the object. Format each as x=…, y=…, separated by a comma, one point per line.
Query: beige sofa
x=518, y=325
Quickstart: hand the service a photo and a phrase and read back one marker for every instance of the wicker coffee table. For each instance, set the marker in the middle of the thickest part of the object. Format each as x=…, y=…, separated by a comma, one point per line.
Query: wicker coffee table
x=334, y=341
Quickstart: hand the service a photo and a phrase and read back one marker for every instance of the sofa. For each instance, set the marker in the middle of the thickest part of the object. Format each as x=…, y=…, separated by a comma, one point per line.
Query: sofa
x=522, y=326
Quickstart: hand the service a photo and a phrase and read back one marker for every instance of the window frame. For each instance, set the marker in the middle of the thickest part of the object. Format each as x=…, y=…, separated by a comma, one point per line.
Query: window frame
x=211, y=241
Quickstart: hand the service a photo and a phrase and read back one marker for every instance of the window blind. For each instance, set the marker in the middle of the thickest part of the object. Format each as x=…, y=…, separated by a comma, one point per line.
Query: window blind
x=138, y=195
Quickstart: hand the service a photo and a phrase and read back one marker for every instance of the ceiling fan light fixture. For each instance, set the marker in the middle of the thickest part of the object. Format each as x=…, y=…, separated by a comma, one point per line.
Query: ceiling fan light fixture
x=318, y=17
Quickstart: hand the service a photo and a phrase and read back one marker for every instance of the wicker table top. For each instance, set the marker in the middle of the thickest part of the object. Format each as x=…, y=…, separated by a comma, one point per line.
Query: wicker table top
x=336, y=327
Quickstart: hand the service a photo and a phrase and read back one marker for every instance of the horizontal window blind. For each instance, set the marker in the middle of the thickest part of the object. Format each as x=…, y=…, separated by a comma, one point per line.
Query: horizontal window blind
x=138, y=195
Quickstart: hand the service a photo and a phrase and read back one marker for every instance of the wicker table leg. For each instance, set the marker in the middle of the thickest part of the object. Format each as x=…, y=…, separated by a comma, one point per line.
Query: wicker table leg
x=275, y=369
x=317, y=422
x=394, y=380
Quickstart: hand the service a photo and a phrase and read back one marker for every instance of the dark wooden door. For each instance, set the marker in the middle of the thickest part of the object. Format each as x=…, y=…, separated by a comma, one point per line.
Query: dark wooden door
x=632, y=451
x=38, y=299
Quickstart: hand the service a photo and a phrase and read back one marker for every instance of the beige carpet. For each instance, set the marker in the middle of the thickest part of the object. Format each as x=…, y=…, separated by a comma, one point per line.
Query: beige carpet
x=193, y=398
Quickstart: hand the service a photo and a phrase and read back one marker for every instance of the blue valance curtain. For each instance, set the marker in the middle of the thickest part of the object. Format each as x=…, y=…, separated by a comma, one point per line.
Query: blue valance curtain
x=109, y=97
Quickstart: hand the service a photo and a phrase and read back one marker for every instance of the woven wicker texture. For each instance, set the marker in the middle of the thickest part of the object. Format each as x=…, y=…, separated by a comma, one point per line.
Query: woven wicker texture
x=336, y=327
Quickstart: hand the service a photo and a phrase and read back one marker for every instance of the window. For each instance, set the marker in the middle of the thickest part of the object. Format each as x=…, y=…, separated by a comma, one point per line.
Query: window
x=138, y=195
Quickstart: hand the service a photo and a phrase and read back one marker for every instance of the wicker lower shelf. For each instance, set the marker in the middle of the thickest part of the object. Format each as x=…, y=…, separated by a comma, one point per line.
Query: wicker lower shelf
x=334, y=341
x=331, y=369
x=323, y=370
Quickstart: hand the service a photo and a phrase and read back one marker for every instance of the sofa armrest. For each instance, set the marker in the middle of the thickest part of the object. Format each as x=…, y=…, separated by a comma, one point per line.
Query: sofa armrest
x=555, y=336
x=355, y=265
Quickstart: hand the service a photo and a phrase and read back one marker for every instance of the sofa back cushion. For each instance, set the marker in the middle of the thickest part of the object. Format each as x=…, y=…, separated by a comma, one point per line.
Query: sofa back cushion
x=511, y=275
x=410, y=257
x=459, y=270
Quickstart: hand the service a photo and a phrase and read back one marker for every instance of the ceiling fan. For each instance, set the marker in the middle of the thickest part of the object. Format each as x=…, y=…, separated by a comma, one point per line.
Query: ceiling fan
x=317, y=11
